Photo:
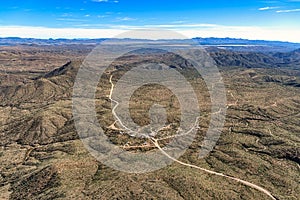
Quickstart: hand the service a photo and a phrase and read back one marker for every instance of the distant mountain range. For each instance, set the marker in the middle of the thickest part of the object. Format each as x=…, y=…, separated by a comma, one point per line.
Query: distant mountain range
x=11, y=41
x=249, y=45
x=221, y=43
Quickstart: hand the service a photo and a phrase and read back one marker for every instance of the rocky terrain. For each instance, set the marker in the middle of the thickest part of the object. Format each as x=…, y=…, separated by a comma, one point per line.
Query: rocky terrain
x=42, y=157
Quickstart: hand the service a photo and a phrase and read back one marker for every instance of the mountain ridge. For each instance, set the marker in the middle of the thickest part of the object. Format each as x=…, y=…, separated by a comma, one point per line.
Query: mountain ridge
x=227, y=43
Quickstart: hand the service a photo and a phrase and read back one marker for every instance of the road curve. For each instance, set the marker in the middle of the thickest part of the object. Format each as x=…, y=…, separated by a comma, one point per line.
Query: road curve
x=155, y=142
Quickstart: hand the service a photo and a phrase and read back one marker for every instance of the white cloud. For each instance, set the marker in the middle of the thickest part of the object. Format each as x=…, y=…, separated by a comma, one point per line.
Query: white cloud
x=165, y=26
x=192, y=30
x=107, y=1
x=102, y=16
x=267, y=8
x=288, y=11
x=179, y=22
x=100, y=1
x=45, y=33
x=186, y=25
x=125, y=19
x=70, y=19
x=67, y=15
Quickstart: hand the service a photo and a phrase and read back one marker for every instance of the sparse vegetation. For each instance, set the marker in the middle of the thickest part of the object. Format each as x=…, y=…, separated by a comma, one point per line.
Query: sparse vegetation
x=42, y=157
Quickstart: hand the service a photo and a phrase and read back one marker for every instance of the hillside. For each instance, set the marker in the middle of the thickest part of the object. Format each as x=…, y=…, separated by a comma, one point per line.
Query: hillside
x=42, y=157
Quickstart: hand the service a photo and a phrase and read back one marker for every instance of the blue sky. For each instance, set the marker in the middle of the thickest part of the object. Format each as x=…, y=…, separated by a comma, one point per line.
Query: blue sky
x=93, y=18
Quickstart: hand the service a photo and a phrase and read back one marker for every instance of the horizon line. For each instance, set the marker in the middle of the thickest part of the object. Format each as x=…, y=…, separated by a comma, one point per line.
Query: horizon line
x=217, y=31
x=124, y=38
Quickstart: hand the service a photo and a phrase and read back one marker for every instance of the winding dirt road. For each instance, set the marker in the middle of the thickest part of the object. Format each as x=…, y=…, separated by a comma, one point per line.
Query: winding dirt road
x=155, y=142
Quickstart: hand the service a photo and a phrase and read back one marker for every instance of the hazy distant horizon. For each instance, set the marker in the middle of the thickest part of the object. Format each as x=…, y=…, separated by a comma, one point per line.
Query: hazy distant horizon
x=103, y=38
x=254, y=20
x=78, y=33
